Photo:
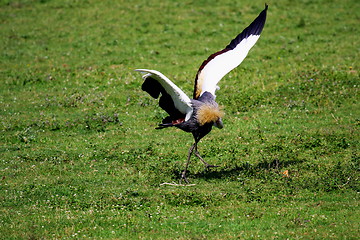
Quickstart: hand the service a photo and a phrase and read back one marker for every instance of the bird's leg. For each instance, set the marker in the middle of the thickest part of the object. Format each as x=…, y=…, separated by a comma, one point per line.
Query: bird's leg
x=207, y=165
x=183, y=175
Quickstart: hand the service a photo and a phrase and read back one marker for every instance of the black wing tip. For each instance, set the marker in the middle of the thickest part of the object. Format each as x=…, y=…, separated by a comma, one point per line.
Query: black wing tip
x=152, y=87
x=255, y=28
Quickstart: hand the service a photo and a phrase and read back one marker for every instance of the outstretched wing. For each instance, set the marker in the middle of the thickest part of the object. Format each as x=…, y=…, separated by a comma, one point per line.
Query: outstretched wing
x=173, y=100
x=220, y=63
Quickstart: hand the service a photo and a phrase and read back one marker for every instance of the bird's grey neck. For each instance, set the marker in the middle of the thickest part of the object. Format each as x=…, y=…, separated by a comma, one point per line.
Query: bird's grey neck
x=206, y=97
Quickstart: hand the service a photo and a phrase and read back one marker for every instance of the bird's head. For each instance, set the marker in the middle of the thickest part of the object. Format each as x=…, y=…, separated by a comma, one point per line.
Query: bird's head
x=219, y=124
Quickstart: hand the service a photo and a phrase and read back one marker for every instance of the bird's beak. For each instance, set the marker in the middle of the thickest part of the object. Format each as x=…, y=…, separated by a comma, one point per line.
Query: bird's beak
x=219, y=124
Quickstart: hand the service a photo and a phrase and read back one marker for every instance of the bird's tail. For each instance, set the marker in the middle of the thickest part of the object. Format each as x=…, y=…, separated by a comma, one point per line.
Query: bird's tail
x=164, y=125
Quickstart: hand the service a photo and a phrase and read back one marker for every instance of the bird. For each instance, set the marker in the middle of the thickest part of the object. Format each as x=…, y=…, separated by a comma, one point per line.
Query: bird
x=199, y=114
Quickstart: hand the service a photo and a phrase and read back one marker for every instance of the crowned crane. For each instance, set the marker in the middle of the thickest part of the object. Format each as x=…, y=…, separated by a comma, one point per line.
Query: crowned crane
x=200, y=114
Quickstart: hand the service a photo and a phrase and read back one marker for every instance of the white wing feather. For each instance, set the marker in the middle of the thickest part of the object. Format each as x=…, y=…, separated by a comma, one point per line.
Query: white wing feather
x=222, y=64
x=181, y=101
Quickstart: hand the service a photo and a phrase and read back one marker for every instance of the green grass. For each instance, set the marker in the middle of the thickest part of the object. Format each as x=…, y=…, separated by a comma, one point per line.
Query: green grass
x=79, y=155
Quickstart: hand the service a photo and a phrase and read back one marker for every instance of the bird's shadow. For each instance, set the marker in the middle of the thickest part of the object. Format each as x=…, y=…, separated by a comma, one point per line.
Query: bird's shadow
x=245, y=168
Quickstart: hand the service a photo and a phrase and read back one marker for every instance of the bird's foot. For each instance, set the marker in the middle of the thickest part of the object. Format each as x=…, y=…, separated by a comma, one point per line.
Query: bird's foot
x=183, y=177
x=207, y=166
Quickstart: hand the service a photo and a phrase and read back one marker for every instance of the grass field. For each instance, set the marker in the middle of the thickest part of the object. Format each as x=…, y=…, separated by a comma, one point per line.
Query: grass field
x=79, y=155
